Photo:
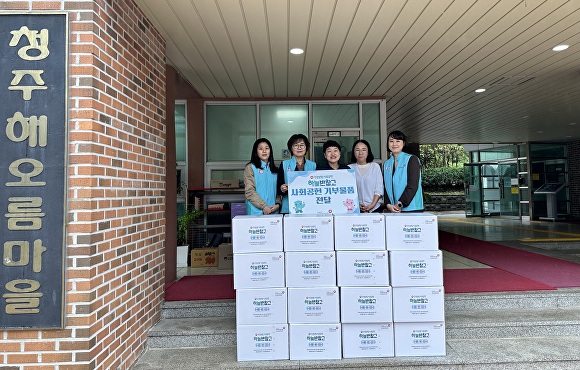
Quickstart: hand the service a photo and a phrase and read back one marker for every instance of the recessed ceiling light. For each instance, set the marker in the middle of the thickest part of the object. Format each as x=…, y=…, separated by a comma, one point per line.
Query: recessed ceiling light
x=572, y=123
x=560, y=47
x=296, y=51
x=479, y=90
x=540, y=132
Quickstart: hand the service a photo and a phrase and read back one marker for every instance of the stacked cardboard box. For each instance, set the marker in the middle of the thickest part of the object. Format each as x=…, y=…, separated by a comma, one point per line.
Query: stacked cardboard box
x=312, y=287
x=261, y=295
x=363, y=278
x=313, y=297
x=416, y=265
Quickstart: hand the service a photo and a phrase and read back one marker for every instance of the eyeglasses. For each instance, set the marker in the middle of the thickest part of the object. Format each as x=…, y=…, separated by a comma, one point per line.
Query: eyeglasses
x=299, y=146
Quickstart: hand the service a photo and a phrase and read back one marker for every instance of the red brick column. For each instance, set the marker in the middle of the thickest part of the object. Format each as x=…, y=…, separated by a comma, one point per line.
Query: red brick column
x=116, y=195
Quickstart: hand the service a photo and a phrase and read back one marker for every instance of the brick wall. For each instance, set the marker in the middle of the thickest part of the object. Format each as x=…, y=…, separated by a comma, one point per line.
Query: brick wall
x=574, y=178
x=116, y=199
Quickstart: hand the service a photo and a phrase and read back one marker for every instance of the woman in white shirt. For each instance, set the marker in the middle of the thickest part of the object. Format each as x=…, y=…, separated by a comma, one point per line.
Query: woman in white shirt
x=369, y=178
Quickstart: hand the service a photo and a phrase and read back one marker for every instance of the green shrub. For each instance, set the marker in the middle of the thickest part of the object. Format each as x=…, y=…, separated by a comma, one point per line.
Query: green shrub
x=443, y=179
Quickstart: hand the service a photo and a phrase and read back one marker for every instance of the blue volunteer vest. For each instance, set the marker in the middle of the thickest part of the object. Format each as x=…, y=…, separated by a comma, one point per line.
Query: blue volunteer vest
x=290, y=165
x=265, y=187
x=395, y=183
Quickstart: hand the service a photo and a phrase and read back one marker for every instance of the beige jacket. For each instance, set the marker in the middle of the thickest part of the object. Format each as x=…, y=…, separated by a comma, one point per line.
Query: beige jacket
x=250, y=189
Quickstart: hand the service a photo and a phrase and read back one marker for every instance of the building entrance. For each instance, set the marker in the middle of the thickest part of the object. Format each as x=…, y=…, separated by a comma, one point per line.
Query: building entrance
x=492, y=189
x=509, y=195
x=345, y=138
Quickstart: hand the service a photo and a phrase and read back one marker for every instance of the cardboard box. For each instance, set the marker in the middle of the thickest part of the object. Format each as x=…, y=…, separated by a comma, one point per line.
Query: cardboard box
x=366, y=304
x=416, y=268
x=419, y=338
x=362, y=268
x=411, y=231
x=368, y=340
x=225, y=184
x=313, y=305
x=308, y=233
x=259, y=270
x=226, y=256
x=255, y=234
x=308, y=269
x=363, y=231
x=417, y=304
x=261, y=306
x=262, y=342
x=204, y=257
x=315, y=341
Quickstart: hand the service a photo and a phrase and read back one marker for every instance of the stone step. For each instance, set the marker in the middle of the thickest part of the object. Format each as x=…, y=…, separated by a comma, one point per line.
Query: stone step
x=453, y=302
x=567, y=297
x=512, y=323
x=459, y=325
x=200, y=332
x=531, y=353
x=214, y=308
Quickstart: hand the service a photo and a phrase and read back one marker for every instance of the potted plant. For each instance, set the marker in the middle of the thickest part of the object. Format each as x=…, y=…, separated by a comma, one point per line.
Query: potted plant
x=182, y=225
x=183, y=222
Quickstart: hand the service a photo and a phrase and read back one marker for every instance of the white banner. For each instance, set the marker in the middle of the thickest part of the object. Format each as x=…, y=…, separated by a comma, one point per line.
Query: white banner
x=323, y=192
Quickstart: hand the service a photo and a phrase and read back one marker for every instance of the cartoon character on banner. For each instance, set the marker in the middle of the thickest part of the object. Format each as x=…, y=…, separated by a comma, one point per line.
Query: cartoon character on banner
x=299, y=206
x=349, y=204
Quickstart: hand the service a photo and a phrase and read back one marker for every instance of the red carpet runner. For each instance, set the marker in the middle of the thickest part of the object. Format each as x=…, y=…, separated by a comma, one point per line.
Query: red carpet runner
x=201, y=287
x=487, y=280
x=546, y=270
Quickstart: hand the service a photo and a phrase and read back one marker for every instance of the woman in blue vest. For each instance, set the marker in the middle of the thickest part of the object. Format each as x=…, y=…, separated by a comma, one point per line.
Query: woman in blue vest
x=260, y=177
x=402, y=173
x=298, y=145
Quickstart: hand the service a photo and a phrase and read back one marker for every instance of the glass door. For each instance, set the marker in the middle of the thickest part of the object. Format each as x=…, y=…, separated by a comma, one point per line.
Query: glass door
x=472, y=188
x=345, y=138
x=509, y=193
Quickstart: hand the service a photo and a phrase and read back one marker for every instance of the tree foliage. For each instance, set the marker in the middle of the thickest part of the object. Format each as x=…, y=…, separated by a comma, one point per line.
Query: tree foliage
x=442, y=155
x=442, y=166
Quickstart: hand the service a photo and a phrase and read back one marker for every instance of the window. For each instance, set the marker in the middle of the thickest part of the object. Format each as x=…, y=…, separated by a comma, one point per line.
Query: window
x=279, y=122
x=371, y=120
x=335, y=116
x=230, y=131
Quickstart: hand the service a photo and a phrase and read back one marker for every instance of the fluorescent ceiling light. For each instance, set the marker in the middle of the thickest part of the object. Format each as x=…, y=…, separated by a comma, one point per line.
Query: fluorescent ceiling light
x=291, y=114
x=296, y=51
x=560, y=47
x=479, y=90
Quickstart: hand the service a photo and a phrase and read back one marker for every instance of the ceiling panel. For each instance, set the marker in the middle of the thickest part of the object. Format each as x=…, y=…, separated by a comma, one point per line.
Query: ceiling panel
x=257, y=26
x=235, y=25
x=425, y=57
